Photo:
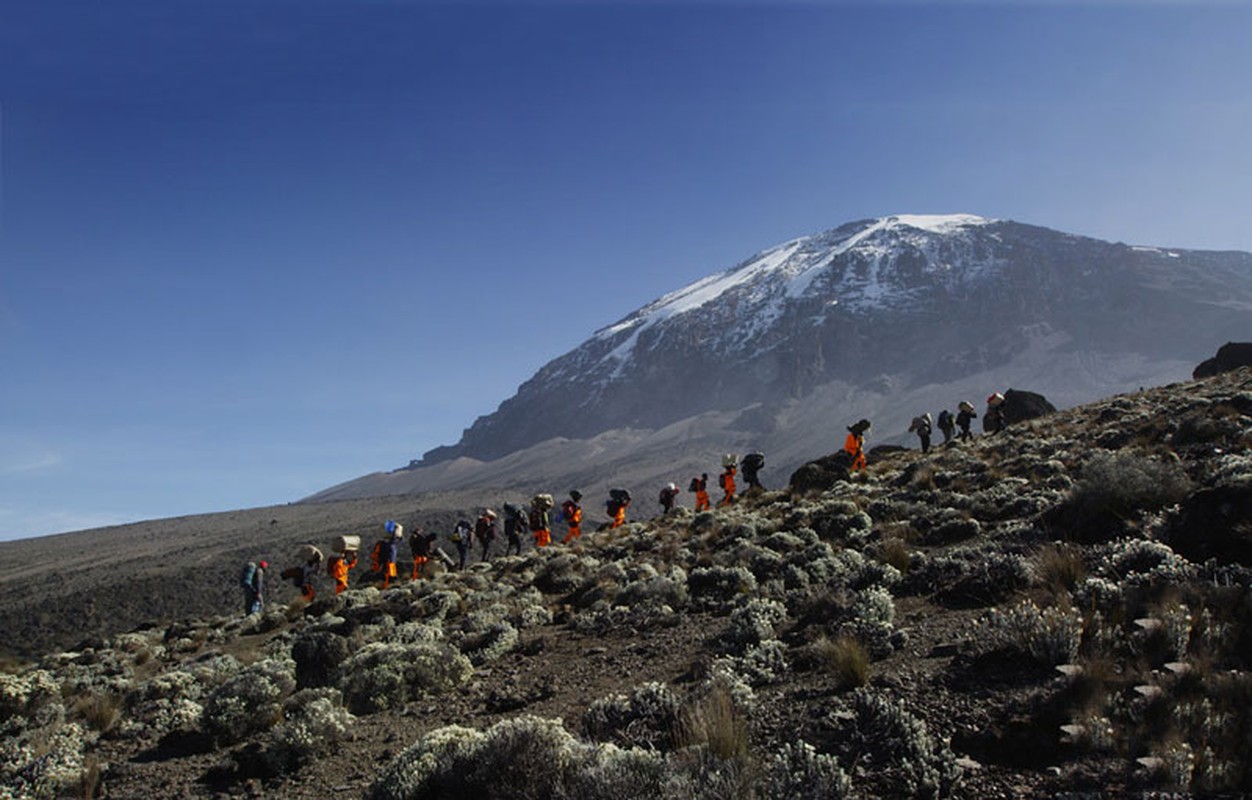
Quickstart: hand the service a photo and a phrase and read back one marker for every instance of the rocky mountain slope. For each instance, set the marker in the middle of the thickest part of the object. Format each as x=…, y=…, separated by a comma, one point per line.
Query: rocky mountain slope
x=883, y=319
x=1061, y=608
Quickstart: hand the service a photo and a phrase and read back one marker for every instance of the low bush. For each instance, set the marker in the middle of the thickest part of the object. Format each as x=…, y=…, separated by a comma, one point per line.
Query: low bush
x=249, y=702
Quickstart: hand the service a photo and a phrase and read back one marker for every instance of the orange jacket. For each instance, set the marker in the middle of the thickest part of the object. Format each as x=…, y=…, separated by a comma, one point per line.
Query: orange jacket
x=853, y=445
x=338, y=567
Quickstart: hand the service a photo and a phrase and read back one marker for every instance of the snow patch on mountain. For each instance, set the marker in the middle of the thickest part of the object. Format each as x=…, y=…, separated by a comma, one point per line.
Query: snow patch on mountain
x=852, y=264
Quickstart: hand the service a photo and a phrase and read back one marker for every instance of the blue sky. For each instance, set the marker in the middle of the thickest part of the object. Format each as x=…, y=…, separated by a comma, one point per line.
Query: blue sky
x=252, y=249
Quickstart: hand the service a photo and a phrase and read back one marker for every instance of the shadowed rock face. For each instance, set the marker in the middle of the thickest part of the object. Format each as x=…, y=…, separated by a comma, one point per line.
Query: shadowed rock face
x=1020, y=406
x=1231, y=355
x=891, y=297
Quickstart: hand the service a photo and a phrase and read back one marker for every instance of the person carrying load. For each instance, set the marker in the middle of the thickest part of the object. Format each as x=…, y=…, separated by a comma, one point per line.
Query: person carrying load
x=730, y=465
x=854, y=445
x=344, y=559
x=572, y=513
x=540, y=528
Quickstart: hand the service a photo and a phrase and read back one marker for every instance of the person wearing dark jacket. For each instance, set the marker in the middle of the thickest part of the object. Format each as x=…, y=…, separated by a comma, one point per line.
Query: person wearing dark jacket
x=420, y=546
x=253, y=582
x=965, y=415
x=947, y=425
x=485, y=531
x=669, y=494
x=463, y=537
x=752, y=464
x=921, y=426
x=514, y=523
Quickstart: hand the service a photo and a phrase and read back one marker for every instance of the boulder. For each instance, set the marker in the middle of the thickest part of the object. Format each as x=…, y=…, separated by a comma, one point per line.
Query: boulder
x=1231, y=355
x=821, y=474
x=1020, y=406
x=1213, y=523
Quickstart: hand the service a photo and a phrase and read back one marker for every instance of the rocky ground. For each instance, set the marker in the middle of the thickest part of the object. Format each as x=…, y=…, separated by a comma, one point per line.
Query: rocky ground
x=1058, y=610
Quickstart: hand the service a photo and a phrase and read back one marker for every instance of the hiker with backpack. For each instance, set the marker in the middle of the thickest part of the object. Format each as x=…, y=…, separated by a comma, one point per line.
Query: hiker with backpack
x=669, y=494
x=700, y=486
x=965, y=415
x=730, y=465
x=854, y=445
x=301, y=575
x=386, y=551
x=540, y=528
x=420, y=545
x=485, y=531
x=572, y=513
x=463, y=537
x=514, y=523
x=921, y=426
x=947, y=425
x=253, y=582
x=993, y=419
x=616, y=505
x=752, y=464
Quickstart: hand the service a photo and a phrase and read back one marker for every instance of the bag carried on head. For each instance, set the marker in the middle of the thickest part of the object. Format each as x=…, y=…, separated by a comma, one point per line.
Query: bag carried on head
x=753, y=461
x=543, y=502
x=619, y=496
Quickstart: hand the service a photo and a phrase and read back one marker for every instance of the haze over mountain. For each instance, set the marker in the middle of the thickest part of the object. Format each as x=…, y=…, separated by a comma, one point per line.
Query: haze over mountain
x=883, y=318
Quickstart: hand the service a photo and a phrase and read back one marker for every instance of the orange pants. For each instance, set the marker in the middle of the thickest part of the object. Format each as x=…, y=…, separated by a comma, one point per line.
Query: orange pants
x=619, y=519
x=307, y=591
x=574, y=532
x=418, y=561
x=389, y=572
x=543, y=537
x=341, y=586
x=702, y=502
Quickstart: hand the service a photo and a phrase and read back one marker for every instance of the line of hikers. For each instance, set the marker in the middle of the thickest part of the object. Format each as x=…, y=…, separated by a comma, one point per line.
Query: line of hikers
x=385, y=554
x=993, y=422
x=534, y=519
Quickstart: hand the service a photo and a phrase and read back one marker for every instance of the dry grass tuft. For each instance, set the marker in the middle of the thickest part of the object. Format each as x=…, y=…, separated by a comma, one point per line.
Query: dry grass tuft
x=846, y=659
x=1059, y=568
x=715, y=723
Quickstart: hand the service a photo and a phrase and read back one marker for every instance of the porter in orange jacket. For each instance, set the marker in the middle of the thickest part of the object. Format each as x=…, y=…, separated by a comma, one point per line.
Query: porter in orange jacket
x=573, y=514
x=700, y=486
x=855, y=443
x=727, y=482
x=337, y=567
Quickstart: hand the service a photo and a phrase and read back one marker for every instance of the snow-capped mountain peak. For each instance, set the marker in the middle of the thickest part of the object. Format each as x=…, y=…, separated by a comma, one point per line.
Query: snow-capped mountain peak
x=849, y=264
x=903, y=303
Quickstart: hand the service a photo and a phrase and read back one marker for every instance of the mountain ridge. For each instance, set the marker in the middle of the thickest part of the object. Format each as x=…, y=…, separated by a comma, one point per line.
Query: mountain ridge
x=881, y=318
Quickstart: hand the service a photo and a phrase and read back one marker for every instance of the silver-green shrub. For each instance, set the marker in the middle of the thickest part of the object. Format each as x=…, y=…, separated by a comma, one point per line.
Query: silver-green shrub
x=383, y=675
x=901, y=750
x=799, y=772
x=313, y=721
x=1050, y=635
x=647, y=717
x=249, y=702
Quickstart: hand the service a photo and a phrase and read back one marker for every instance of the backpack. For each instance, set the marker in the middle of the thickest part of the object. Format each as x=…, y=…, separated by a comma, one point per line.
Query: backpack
x=536, y=520
x=620, y=496
x=721, y=480
x=695, y=485
x=249, y=574
x=945, y=419
x=567, y=510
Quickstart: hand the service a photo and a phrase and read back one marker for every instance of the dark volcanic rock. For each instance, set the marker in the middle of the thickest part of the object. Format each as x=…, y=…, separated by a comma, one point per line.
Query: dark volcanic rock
x=821, y=474
x=1215, y=523
x=1231, y=355
x=1020, y=406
